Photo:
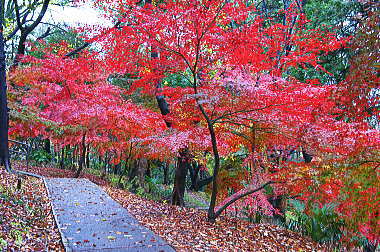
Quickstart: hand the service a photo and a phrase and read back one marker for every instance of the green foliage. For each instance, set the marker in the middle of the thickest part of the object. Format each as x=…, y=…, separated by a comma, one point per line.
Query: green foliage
x=112, y=178
x=336, y=13
x=156, y=191
x=177, y=80
x=3, y=244
x=328, y=15
x=158, y=173
x=17, y=234
x=322, y=224
x=40, y=156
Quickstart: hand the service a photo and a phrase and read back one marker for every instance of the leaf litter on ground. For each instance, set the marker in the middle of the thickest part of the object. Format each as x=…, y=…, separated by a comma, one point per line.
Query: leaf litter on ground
x=26, y=219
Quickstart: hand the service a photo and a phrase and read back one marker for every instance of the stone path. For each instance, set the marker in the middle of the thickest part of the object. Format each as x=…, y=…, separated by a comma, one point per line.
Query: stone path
x=90, y=220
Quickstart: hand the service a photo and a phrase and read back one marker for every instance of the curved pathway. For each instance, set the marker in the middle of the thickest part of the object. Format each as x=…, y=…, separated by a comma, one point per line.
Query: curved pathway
x=90, y=220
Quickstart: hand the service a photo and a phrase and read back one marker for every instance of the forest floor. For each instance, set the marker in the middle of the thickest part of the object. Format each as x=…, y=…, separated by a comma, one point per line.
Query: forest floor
x=186, y=229
x=26, y=222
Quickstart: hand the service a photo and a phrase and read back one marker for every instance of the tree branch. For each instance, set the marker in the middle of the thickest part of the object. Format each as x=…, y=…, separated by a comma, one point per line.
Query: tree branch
x=220, y=210
x=77, y=50
x=45, y=34
x=86, y=44
x=18, y=20
x=45, y=5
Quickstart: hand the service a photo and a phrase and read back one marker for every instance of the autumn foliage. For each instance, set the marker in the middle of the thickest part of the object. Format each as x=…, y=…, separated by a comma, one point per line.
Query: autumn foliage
x=225, y=70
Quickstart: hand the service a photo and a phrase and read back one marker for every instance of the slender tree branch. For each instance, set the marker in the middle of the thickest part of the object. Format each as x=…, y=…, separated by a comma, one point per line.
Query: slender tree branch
x=220, y=210
x=77, y=50
x=226, y=115
x=45, y=34
x=18, y=19
x=85, y=45
x=45, y=5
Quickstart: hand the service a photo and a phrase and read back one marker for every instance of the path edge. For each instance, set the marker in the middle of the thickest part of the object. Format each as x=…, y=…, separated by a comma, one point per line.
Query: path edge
x=140, y=223
x=65, y=242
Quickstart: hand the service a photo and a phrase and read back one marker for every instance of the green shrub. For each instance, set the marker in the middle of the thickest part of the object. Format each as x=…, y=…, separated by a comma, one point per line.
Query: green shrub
x=40, y=156
x=322, y=225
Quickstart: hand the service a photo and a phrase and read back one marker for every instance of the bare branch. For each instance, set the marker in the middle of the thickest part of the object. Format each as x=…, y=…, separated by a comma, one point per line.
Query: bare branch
x=18, y=18
x=45, y=5
x=45, y=34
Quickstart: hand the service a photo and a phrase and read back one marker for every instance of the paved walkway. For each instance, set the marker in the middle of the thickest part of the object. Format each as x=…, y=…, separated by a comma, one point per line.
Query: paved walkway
x=89, y=220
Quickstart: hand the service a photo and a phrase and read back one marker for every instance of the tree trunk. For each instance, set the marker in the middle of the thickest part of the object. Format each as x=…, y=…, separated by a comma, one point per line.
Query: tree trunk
x=222, y=208
x=180, y=178
x=138, y=171
x=106, y=162
x=166, y=172
x=202, y=183
x=279, y=203
x=47, y=146
x=4, y=147
x=88, y=157
x=142, y=167
x=211, y=214
x=117, y=169
x=307, y=157
x=132, y=172
x=194, y=172
x=82, y=157
x=62, y=161
x=20, y=49
x=26, y=30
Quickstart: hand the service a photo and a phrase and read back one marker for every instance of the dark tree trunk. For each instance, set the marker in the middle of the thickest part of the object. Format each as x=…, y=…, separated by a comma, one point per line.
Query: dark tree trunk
x=148, y=171
x=20, y=49
x=231, y=201
x=278, y=203
x=203, y=182
x=179, y=185
x=62, y=161
x=180, y=178
x=26, y=30
x=82, y=157
x=142, y=167
x=137, y=173
x=88, y=157
x=4, y=148
x=106, y=163
x=126, y=166
x=194, y=175
x=117, y=169
x=211, y=212
x=132, y=173
x=166, y=172
x=67, y=156
x=307, y=157
x=47, y=146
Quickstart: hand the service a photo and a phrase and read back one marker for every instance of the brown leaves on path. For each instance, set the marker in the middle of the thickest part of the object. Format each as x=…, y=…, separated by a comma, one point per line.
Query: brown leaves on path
x=187, y=229
x=26, y=219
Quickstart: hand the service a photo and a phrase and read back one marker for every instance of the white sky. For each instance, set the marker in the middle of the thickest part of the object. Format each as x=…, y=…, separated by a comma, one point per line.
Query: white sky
x=75, y=16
